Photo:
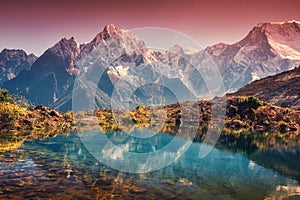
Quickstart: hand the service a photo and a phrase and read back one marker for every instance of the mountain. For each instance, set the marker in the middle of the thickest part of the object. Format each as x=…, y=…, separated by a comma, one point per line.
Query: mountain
x=117, y=68
x=282, y=89
x=49, y=76
x=268, y=49
x=12, y=62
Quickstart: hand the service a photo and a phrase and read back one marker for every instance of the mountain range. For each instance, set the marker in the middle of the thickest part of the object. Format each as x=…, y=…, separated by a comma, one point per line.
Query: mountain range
x=127, y=67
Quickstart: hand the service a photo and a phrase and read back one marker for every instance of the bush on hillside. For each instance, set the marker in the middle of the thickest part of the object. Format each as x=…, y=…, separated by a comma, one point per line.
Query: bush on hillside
x=4, y=95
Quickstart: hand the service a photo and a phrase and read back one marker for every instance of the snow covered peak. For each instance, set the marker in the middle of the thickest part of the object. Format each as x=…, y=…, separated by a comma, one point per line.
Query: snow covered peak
x=113, y=40
x=216, y=49
x=281, y=38
x=278, y=29
x=284, y=38
x=110, y=30
x=176, y=49
x=278, y=23
x=276, y=26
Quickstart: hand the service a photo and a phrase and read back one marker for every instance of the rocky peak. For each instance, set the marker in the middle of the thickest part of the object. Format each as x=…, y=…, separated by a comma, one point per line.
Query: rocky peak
x=283, y=37
x=108, y=31
x=10, y=53
x=59, y=57
x=69, y=45
x=281, y=89
x=176, y=49
x=216, y=49
x=113, y=40
x=10, y=57
x=13, y=61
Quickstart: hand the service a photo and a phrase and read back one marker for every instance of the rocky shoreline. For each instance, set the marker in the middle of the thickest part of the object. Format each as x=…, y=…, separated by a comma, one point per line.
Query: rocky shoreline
x=250, y=123
x=36, y=120
x=18, y=124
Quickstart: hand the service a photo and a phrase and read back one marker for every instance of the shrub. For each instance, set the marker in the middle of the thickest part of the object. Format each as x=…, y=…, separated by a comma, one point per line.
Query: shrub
x=254, y=101
x=20, y=100
x=10, y=113
x=69, y=115
x=4, y=95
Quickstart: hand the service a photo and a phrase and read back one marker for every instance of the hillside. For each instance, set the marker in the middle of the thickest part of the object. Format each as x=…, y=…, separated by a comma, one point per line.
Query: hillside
x=18, y=118
x=282, y=89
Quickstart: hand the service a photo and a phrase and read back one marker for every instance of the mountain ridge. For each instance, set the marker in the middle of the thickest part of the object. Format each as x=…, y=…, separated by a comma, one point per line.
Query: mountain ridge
x=13, y=61
x=258, y=54
x=253, y=57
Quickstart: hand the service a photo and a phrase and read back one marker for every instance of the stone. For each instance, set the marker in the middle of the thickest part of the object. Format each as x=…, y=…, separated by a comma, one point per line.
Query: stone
x=137, y=190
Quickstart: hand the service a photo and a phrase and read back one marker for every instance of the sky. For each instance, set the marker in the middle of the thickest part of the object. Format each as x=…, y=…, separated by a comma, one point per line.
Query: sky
x=35, y=25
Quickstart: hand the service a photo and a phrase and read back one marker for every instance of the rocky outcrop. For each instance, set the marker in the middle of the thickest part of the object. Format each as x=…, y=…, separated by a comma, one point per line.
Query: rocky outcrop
x=34, y=121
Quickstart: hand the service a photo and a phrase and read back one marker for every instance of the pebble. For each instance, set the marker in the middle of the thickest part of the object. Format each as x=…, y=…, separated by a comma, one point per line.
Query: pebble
x=137, y=190
x=104, y=182
x=168, y=182
x=8, y=190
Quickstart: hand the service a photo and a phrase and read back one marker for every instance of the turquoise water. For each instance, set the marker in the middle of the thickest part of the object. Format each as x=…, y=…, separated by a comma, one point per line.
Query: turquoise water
x=63, y=168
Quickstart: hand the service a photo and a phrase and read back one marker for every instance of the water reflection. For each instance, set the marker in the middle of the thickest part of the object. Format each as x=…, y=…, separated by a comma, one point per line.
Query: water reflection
x=62, y=168
x=285, y=160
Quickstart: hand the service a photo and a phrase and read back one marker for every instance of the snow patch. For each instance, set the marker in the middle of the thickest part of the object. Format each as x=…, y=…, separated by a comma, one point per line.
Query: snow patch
x=119, y=71
x=285, y=51
x=290, y=21
x=190, y=51
x=254, y=76
x=242, y=56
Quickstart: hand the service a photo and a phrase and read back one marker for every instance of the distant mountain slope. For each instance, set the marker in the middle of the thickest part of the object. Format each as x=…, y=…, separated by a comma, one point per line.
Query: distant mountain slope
x=282, y=89
x=12, y=62
x=49, y=76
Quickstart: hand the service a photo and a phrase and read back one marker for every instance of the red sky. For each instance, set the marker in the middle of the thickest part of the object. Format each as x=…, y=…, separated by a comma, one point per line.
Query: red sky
x=35, y=25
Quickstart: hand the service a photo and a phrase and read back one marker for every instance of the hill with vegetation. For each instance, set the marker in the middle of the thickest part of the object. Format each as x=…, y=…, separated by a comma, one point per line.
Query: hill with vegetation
x=282, y=89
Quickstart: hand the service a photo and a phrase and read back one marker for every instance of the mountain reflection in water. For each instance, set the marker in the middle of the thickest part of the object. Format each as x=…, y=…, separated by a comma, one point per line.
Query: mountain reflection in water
x=62, y=168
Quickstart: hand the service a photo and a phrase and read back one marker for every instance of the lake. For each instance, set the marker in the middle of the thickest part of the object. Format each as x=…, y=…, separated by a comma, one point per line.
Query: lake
x=65, y=167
